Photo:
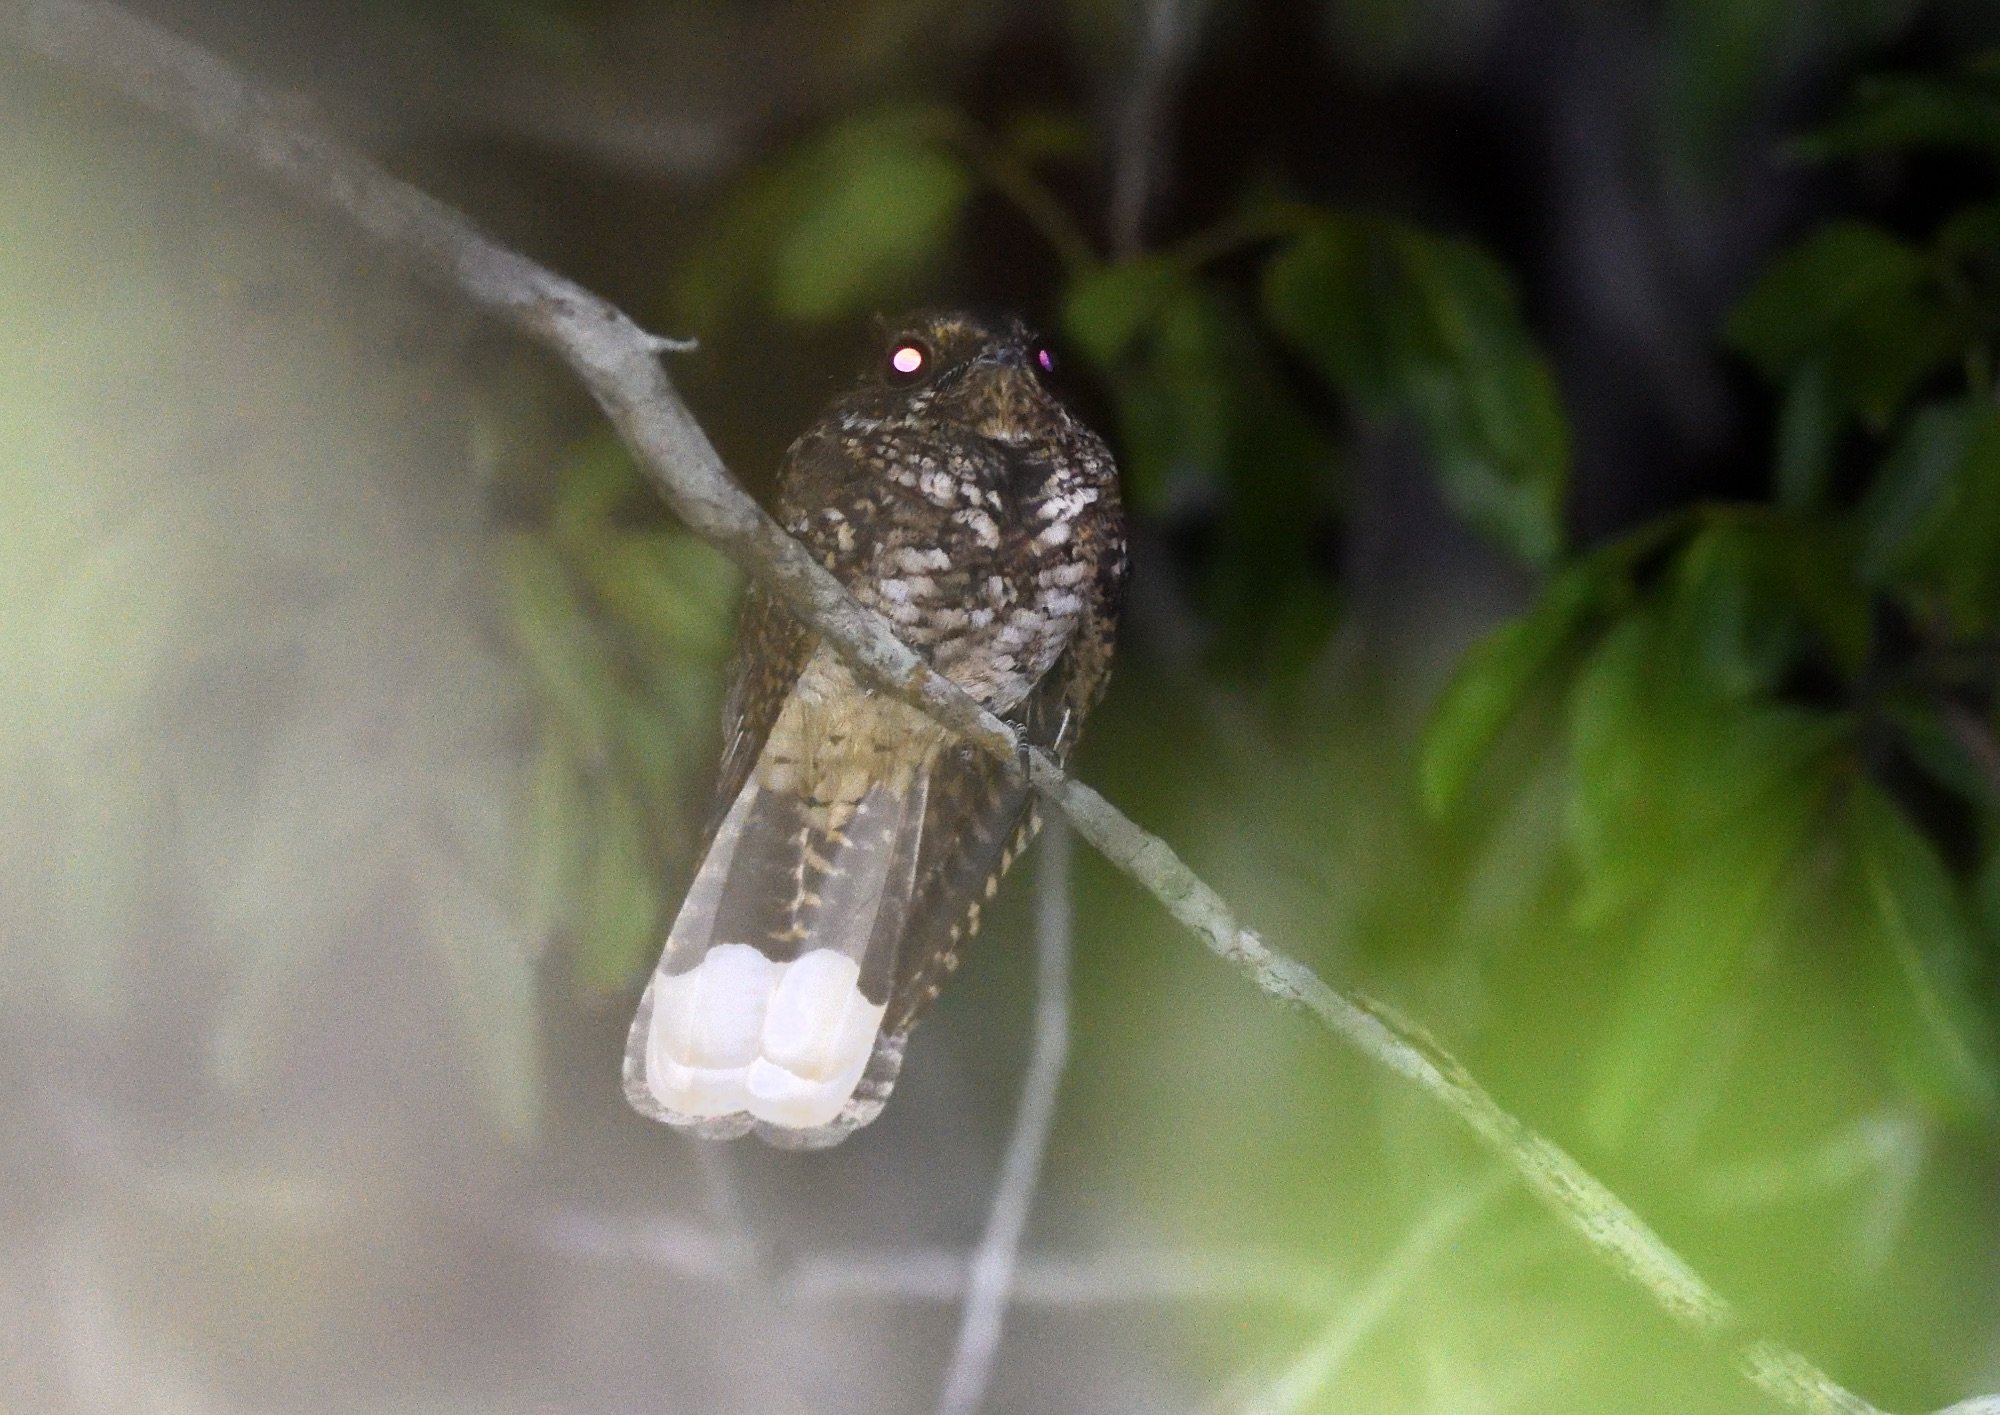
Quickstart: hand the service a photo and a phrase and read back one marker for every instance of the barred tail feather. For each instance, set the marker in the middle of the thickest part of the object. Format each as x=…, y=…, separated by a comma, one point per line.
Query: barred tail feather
x=766, y=1008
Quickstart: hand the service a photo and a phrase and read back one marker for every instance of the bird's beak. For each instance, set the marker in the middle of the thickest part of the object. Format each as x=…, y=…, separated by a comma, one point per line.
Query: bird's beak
x=1006, y=356
x=1006, y=393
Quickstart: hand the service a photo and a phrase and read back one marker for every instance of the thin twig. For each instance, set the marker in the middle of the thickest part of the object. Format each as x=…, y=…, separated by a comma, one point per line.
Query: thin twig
x=110, y=1367
x=971, y=1368
x=1057, y=1280
x=617, y=363
x=1295, y=1386
x=1111, y=1277
x=1139, y=138
x=1974, y=738
x=751, y=1257
x=1015, y=179
x=692, y=1251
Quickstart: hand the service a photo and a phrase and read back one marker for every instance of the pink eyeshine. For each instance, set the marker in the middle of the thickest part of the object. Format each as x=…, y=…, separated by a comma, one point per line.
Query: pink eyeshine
x=907, y=358
x=1046, y=359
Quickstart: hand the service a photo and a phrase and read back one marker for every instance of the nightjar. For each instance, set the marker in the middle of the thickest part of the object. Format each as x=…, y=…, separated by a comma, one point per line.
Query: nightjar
x=855, y=841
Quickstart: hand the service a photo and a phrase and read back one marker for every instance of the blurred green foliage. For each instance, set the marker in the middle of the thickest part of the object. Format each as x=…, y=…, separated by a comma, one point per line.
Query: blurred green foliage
x=622, y=629
x=1405, y=322
x=1757, y=691
x=853, y=216
x=1899, y=112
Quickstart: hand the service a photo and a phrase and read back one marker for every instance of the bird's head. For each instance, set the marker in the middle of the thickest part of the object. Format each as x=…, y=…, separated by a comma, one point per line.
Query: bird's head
x=987, y=375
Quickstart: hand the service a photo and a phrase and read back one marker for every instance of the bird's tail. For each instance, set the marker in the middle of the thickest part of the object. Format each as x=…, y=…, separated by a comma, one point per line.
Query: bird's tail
x=766, y=1009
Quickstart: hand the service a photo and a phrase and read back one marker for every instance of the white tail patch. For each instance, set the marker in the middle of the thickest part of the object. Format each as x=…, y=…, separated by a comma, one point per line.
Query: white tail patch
x=786, y=1042
x=815, y=858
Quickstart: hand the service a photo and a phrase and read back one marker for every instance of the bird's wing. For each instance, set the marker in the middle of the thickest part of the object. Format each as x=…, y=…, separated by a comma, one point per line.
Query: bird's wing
x=772, y=647
x=766, y=1002
x=980, y=818
x=771, y=650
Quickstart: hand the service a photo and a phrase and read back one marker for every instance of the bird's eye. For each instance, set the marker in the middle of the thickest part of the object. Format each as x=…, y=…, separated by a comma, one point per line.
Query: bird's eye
x=1045, y=358
x=908, y=362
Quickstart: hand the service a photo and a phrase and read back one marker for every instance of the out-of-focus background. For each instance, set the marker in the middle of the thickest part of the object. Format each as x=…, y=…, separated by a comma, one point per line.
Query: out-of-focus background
x=357, y=704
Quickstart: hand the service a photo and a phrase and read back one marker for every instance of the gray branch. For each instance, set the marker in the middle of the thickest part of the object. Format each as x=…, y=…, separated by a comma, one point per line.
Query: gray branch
x=1164, y=33
x=1302, y=1381
x=619, y=363
x=992, y=1274
x=1117, y=1276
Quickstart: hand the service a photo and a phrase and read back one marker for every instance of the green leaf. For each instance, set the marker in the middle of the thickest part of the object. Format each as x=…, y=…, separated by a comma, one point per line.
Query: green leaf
x=1048, y=135
x=1972, y=231
x=882, y=196
x=1915, y=111
x=1694, y=935
x=1910, y=492
x=1748, y=593
x=1808, y=425
x=594, y=480
x=1792, y=557
x=1930, y=526
x=564, y=651
x=1491, y=408
x=1961, y=562
x=1861, y=304
x=1204, y=413
x=1890, y=348
x=1619, y=753
x=1718, y=63
x=1403, y=321
x=1661, y=759
x=1802, y=298
x=555, y=840
x=622, y=923
x=1691, y=795
x=1106, y=309
x=1939, y=1038
x=1731, y=639
x=651, y=584
x=1496, y=676
x=852, y=218
x=1334, y=293
x=730, y=264
x=1174, y=352
x=1180, y=392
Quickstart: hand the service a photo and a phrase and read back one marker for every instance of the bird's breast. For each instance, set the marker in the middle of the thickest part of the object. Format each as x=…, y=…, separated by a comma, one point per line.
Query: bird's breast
x=991, y=596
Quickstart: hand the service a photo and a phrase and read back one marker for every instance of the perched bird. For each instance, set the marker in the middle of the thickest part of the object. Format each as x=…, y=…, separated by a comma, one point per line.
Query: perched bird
x=855, y=840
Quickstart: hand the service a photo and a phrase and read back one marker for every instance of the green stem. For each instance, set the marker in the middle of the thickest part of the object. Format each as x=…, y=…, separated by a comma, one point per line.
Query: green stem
x=1015, y=180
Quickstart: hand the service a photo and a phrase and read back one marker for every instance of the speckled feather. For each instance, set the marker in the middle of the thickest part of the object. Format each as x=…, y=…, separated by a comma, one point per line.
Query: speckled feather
x=891, y=488
x=976, y=514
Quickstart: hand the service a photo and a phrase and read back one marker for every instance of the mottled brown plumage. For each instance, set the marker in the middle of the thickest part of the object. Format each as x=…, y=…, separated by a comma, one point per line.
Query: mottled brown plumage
x=952, y=492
